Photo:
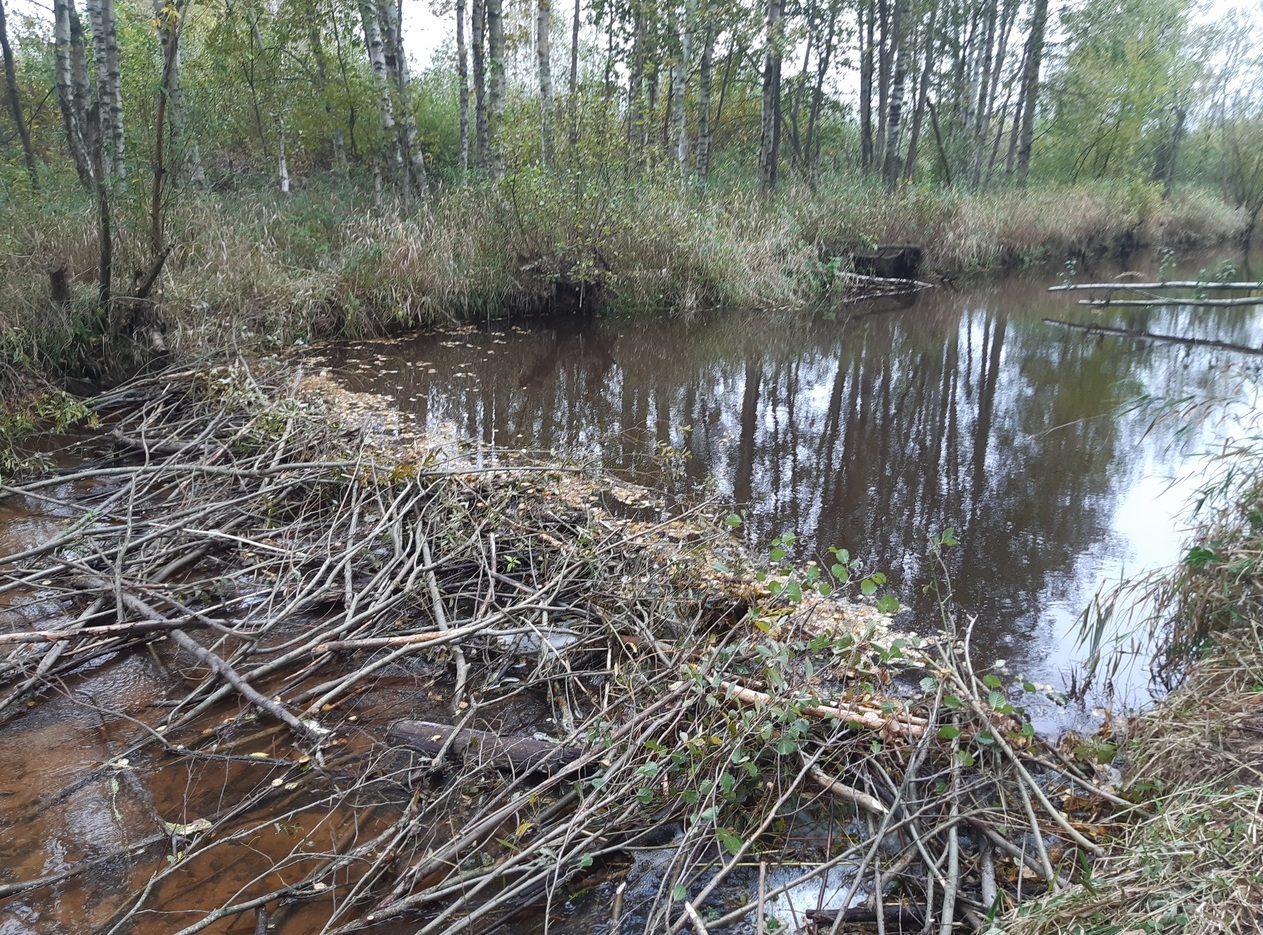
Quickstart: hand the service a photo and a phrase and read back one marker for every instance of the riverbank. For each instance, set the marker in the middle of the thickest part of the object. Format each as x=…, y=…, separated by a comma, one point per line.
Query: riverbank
x=252, y=269
x=1187, y=858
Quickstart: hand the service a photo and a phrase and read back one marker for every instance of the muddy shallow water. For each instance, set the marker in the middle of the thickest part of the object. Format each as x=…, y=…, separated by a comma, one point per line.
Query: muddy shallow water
x=961, y=408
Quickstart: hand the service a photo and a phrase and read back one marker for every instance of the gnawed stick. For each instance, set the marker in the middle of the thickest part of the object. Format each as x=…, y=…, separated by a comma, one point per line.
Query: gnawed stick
x=847, y=793
x=850, y=714
x=308, y=729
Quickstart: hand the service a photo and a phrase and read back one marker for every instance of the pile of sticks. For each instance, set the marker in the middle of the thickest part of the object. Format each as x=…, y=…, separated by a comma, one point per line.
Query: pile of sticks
x=305, y=593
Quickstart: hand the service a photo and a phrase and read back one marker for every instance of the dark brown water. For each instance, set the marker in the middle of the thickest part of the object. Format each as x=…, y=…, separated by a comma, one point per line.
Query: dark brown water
x=961, y=410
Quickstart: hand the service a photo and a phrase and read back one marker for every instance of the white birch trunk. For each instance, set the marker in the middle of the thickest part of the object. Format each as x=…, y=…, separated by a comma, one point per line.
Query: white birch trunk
x=282, y=166
x=495, y=63
x=543, y=57
x=462, y=78
x=109, y=86
x=71, y=82
x=406, y=125
x=478, y=43
x=381, y=80
x=679, y=87
x=703, y=106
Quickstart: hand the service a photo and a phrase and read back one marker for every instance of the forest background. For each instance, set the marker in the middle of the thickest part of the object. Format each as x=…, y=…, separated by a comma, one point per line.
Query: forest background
x=197, y=173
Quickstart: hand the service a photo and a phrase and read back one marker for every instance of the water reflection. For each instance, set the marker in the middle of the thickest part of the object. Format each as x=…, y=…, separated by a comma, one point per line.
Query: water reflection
x=964, y=410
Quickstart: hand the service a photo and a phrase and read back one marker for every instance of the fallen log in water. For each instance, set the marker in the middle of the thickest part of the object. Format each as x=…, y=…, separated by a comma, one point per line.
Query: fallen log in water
x=519, y=754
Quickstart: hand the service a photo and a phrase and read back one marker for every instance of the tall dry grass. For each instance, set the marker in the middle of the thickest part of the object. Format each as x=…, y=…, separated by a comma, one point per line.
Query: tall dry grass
x=1189, y=858
x=255, y=268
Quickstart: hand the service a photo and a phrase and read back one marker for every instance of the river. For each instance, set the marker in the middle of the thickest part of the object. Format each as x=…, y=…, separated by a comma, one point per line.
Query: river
x=961, y=409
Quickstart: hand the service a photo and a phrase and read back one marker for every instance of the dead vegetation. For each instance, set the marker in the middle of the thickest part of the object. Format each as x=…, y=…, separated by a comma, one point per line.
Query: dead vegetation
x=298, y=589
x=1192, y=863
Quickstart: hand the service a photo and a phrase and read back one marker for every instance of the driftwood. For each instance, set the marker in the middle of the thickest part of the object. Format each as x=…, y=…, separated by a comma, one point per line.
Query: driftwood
x=1149, y=286
x=519, y=754
x=1152, y=336
x=1151, y=293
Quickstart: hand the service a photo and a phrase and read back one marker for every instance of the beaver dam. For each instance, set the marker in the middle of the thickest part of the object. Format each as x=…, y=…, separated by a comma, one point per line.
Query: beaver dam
x=263, y=672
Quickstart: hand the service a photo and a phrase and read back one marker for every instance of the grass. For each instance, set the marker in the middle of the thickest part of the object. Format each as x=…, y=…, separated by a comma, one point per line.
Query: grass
x=1191, y=860
x=254, y=268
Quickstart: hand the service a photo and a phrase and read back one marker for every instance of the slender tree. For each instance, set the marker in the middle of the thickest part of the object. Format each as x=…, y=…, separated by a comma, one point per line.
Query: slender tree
x=462, y=84
x=704, y=142
x=109, y=84
x=574, y=75
x=15, y=102
x=1029, y=94
x=478, y=46
x=495, y=96
x=770, y=123
x=72, y=88
x=543, y=61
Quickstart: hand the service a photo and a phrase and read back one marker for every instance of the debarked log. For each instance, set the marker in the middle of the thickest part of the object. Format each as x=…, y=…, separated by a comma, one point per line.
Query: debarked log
x=519, y=754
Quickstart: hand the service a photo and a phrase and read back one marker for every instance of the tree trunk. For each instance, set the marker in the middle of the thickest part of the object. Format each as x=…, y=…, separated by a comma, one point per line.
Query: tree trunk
x=543, y=56
x=703, y=105
x=414, y=176
x=375, y=46
x=462, y=84
x=892, y=165
x=72, y=88
x=817, y=94
x=109, y=85
x=923, y=94
x=574, y=77
x=322, y=78
x=477, y=39
x=769, y=142
x=1030, y=86
x=866, y=38
x=679, y=79
x=1167, y=153
x=15, y=103
x=495, y=63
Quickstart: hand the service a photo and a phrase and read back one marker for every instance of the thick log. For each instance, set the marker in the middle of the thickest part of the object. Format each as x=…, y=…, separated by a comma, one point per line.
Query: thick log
x=520, y=754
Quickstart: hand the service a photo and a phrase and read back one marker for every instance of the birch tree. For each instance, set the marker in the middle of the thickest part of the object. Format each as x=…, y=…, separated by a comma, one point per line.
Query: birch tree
x=109, y=83
x=462, y=85
x=70, y=62
x=679, y=83
x=478, y=44
x=495, y=95
x=543, y=60
x=770, y=123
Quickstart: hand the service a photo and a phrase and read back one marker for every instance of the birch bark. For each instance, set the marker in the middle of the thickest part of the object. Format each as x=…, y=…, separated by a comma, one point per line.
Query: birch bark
x=72, y=87
x=543, y=60
x=478, y=42
x=462, y=84
x=109, y=85
x=495, y=65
